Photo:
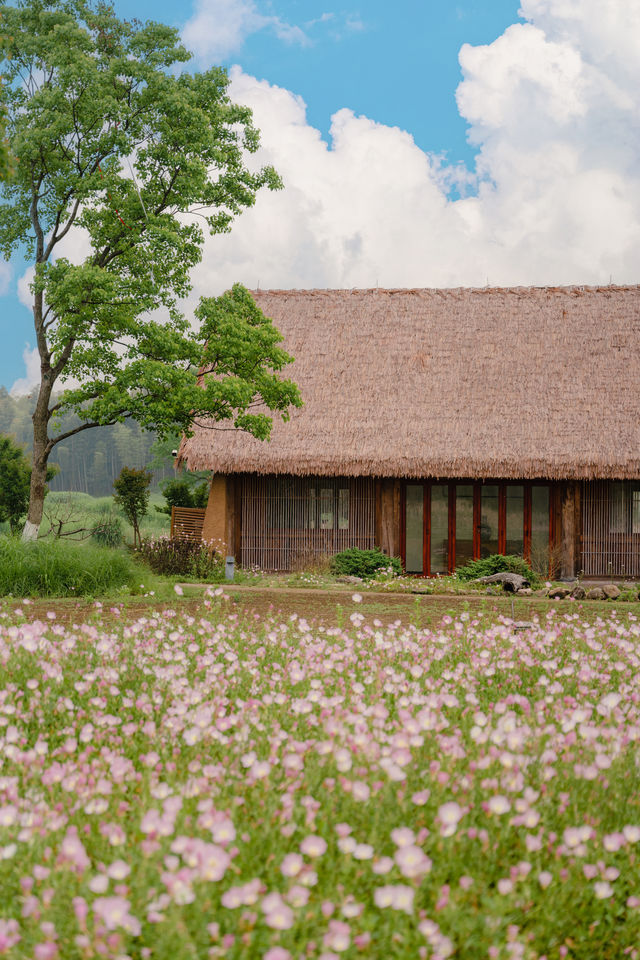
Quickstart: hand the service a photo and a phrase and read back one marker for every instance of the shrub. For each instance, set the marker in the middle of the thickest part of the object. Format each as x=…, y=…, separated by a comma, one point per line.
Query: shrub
x=364, y=563
x=56, y=568
x=108, y=530
x=180, y=493
x=497, y=563
x=183, y=558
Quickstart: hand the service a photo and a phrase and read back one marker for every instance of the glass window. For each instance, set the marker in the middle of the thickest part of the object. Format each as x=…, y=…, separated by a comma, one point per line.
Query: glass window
x=540, y=529
x=343, y=509
x=635, y=519
x=326, y=509
x=489, y=521
x=514, y=540
x=464, y=523
x=439, y=528
x=414, y=528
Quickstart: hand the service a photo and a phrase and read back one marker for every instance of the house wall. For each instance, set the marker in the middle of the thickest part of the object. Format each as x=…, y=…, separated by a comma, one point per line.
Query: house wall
x=215, y=528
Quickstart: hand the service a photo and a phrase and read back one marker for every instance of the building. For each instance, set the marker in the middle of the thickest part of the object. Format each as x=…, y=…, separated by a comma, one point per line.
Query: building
x=443, y=425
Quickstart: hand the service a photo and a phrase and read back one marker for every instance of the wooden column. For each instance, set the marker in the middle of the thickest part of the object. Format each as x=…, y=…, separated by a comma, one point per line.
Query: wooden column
x=569, y=537
x=215, y=528
x=388, y=516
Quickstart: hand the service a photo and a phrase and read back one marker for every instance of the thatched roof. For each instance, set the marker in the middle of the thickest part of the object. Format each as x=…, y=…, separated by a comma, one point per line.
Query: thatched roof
x=522, y=382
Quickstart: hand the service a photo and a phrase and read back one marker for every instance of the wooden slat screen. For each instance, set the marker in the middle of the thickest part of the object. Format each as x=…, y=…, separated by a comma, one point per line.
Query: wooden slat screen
x=290, y=522
x=186, y=523
x=611, y=528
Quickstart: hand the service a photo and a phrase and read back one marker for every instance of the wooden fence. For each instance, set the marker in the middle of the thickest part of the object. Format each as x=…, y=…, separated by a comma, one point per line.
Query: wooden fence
x=186, y=523
x=611, y=529
x=289, y=522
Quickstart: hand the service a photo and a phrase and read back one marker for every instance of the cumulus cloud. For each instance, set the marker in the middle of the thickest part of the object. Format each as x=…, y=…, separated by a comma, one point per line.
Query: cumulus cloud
x=218, y=28
x=556, y=194
x=31, y=378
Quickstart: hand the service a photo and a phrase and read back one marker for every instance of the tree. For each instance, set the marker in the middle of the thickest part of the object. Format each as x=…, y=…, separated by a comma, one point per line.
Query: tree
x=132, y=493
x=119, y=167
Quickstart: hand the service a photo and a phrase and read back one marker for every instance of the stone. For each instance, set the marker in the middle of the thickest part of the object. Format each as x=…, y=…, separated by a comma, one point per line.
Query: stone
x=558, y=593
x=525, y=592
x=596, y=593
x=611, y=591
x=347, y=578
x=511, y=582
x=542, y=592
x=578, y=592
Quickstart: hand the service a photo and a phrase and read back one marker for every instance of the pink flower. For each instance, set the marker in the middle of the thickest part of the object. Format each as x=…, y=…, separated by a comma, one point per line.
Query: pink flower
x=449, y=816
x=291, y=865
x=313, y=846
x=278, y=915
x=602, y=890
x=338, y=936
x=398, y=897
x=356, y=597
x=114, y=913
x=499, y=805
x=276, y=953
x=9, y=934
x=544, y=879
x=412, y=861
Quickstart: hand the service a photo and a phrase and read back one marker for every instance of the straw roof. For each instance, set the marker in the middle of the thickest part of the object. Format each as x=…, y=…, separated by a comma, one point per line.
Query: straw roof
x=521, y=382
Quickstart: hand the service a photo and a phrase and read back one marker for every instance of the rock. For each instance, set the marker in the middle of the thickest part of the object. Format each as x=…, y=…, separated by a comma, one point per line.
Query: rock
x=511, y=582
x=596, y=593
x=525, y=592
x=558, y=593
x=578, y=592
x=542, y=592
x=611, y=591
x=347, y=578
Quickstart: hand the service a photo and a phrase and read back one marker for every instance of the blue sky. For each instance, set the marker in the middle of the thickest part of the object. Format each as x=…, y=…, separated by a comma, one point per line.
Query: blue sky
x=421, y=143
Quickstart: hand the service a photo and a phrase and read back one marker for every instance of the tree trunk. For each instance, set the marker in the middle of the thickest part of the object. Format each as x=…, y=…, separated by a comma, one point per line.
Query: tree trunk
x=41, y=451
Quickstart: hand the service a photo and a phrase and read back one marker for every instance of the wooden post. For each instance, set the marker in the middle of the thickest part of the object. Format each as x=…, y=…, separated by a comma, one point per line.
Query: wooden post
x=570, y=529
x=388, y=516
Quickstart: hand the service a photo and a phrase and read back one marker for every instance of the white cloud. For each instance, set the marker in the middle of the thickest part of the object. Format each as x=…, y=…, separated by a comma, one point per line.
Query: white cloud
x=218, y=28
x=31, y=378
x=24, y=293
x=555, y=118
x=5, y=277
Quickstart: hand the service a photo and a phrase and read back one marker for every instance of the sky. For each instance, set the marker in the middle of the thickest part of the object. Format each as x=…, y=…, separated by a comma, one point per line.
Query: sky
x=422, y=143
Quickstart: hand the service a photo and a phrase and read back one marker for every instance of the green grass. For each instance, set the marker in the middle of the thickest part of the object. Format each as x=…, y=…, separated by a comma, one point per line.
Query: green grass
x=51, y=568
x=83, y=510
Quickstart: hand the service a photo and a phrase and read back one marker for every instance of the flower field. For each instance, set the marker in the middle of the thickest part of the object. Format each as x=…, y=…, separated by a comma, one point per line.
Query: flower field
x=204, y=786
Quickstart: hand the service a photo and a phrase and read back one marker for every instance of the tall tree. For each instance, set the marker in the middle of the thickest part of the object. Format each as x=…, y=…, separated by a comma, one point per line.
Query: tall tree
x=119, y=167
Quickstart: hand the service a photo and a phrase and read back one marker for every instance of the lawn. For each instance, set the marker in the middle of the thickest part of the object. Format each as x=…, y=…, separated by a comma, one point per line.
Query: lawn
x=203, y=780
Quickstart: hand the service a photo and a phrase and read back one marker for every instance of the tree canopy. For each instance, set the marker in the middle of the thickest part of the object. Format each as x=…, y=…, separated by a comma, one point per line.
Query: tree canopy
x=120, y=166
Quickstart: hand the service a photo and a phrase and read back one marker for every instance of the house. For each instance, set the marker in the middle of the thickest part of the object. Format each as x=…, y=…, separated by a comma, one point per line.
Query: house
x=442, y=425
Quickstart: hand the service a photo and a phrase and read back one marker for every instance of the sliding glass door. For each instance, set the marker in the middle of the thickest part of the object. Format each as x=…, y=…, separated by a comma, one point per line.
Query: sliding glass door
x=447, y=524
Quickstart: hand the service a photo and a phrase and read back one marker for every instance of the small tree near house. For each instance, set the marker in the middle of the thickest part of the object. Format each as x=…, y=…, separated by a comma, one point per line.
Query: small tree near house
x=132, y=493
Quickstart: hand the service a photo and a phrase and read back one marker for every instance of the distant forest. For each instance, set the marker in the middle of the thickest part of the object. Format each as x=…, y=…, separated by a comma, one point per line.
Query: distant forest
x=90, y=461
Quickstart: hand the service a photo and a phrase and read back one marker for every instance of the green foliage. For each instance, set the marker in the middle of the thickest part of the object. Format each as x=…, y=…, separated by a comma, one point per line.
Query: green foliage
x=179, y=493
x=15, y=480
x=183, y=558
x=132, y=493
x=15, y=476
x=497, y=563
x=93, y=104
x=364, y=563
x=55, y=568
x=107, y=532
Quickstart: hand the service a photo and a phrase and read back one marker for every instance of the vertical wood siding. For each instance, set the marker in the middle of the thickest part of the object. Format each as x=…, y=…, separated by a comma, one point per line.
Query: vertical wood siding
x=611, y=529
x=288, y=522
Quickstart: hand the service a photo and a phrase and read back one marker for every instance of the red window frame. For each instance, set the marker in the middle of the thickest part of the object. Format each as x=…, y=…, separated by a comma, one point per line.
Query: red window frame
x=477, y=515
